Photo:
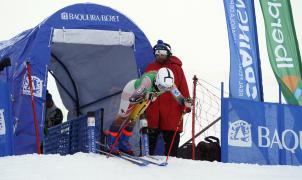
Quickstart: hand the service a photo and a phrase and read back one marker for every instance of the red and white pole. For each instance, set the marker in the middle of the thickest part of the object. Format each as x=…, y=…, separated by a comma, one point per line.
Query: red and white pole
x=193, y=116
x=34, y=107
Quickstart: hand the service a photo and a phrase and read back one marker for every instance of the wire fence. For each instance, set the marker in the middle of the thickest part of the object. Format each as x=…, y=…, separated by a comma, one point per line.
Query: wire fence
x=207, y=112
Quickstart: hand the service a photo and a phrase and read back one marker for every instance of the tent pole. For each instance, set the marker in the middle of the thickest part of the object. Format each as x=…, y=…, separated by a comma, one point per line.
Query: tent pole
x=34, y=107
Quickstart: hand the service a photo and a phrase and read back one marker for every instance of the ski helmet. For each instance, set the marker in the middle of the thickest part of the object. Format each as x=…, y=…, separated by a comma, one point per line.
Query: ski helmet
x=164, y=79
x=162, y=48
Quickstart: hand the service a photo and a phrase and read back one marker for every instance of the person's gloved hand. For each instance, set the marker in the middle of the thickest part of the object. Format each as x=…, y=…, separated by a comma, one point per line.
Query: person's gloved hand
x=187, y=104
x=151, y=96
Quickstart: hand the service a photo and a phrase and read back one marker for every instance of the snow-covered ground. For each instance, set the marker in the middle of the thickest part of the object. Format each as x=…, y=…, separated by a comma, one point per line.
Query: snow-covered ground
x=97, y=167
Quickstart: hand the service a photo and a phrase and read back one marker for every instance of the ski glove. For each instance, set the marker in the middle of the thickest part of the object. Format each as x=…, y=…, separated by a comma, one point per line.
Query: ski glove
x=187, y=102
x=151, y=96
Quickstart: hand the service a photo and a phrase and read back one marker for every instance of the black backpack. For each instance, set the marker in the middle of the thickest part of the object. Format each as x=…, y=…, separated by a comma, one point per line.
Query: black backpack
x=209, y=150
x=185, y=151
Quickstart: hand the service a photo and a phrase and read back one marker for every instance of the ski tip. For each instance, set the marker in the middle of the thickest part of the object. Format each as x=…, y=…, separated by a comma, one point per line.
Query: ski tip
x=144, y=164
x=163, y=164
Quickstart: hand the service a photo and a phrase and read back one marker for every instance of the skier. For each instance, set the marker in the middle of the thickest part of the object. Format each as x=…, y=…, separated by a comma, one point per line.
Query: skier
x=149, y=86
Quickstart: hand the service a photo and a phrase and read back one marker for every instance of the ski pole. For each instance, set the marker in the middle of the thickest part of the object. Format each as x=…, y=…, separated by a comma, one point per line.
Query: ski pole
x=173, y=139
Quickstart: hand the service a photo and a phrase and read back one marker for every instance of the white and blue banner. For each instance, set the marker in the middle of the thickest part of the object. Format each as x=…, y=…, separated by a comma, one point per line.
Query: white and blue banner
x=5, y=123
x=245, y=81
x=261, y=133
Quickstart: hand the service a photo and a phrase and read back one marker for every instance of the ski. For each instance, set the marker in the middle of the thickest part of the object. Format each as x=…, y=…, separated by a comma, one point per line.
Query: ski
x=134, y=161
x=123, y=155
x=145, y=159
x=154, y=160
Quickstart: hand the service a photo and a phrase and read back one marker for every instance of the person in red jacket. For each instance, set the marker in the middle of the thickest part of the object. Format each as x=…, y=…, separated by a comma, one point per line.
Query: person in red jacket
x=165, y=113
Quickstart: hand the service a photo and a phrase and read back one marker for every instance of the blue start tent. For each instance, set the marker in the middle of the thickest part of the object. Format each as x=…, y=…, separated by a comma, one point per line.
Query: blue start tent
x=92, y=51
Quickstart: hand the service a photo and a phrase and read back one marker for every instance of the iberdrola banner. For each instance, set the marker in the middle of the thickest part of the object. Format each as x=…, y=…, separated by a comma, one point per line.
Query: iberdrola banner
x=245, y=73
x=282, y=46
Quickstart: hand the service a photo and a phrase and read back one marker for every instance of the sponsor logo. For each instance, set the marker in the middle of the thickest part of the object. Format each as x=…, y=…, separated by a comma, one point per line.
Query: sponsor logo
x=176, y=92
x=239, y=134
x=64, y=16
x=37, y=84
x=89, y=17
x=287, y=139
x=282, y=57
x=2, y=122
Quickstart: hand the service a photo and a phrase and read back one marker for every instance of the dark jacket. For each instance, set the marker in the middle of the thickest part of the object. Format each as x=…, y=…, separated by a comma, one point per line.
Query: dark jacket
x=54, y=116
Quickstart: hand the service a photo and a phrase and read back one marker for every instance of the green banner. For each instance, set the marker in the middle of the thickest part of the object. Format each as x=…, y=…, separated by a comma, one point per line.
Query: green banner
x=283, y=48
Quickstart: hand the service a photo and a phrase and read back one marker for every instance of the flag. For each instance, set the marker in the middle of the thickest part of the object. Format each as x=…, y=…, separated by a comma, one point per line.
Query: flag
x=245, y=81
x=283, y=49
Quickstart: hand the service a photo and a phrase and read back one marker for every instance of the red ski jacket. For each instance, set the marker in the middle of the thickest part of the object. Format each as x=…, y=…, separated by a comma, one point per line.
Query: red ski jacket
x=165, y=112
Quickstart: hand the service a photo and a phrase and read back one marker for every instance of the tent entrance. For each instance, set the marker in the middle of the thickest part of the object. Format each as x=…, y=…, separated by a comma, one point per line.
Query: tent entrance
x=91, y=68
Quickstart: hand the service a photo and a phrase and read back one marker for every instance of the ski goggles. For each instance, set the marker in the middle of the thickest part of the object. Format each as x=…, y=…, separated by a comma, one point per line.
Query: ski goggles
x=161, y=52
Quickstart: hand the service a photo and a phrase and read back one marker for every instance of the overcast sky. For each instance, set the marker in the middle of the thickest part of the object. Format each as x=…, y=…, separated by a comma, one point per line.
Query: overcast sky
x=196, y=30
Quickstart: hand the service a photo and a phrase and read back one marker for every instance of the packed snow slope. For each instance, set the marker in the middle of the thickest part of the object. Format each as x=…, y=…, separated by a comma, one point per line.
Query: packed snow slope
x=97, y=167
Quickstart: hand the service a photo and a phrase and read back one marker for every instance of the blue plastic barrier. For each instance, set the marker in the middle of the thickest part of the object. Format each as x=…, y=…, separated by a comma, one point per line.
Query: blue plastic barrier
x=261, y=132
x=78, y=135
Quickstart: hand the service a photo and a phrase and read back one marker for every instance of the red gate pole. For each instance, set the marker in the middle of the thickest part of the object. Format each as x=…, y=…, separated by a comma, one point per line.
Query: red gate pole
x=34, y=107
x=193, y=116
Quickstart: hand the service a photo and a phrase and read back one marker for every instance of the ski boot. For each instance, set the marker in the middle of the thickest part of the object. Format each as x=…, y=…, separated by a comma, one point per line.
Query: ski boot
x=110, y=140
x=124, y=144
